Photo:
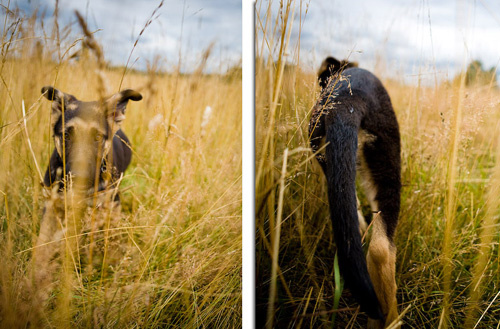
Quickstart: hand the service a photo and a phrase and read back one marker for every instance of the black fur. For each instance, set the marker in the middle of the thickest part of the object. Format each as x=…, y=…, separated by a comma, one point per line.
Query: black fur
x=356, y=100
x=330, y=67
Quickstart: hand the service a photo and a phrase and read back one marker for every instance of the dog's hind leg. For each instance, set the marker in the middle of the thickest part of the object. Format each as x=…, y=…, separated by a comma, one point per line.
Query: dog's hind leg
x=361, y=218
x=381, y=179
x=381, y=262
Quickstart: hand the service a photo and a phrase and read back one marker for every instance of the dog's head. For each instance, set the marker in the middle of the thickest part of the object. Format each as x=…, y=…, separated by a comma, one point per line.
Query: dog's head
x=330, y=67
x=83, y=131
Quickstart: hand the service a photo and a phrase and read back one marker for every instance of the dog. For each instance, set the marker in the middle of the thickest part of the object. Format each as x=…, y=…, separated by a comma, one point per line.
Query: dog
x=355, y=118
x=90, y=147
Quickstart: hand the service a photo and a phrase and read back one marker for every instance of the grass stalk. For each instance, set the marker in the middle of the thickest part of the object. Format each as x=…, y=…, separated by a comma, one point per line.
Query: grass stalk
x=451, y=204
x=276, y=244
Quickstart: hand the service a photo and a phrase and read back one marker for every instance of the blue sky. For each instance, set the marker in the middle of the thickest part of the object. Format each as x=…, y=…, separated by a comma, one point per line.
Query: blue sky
x=427, y=37
x=200, y=22
x=432, y=38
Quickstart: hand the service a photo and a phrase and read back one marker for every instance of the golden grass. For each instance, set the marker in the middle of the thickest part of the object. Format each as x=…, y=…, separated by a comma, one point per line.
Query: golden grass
x=172, y=256
x=450, y=139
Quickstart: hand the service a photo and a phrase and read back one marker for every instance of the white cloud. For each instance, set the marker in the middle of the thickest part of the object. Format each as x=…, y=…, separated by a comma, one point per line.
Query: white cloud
x=405, y=34
x=198, y=22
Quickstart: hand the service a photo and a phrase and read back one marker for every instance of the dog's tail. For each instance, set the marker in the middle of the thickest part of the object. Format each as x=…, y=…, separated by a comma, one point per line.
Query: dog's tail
x=342, y=138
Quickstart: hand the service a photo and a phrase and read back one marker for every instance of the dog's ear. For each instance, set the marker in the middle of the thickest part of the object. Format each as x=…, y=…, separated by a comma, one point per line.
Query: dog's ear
x=346, y=64
x=116, y=106
x=58, y=97
x=51, y=93
x=59, y=100
x=330, y=67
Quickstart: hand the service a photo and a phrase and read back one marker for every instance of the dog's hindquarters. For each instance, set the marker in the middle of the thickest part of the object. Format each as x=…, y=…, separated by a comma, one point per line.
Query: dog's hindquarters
x=357, y=103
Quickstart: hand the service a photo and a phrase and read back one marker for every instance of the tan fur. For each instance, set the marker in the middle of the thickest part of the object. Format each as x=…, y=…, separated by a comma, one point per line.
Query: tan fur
x=365, y=137
x=72, y=106
x=83, y=128
x=366, y=180
x=113, y=125
x=58, y=143
x=381, y=258
x=107, y=146
x=84, y=125
x=56, y=114
x=361, y=219
x=381, y=261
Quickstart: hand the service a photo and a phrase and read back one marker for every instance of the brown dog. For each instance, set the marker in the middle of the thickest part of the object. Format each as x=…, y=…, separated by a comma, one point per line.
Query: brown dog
x=89, y=143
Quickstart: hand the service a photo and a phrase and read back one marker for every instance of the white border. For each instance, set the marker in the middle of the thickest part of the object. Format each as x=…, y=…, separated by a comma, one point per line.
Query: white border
x=248, y=166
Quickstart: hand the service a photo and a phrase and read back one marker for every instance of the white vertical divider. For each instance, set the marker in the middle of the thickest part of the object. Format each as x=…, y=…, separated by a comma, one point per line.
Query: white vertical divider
x=248, y=167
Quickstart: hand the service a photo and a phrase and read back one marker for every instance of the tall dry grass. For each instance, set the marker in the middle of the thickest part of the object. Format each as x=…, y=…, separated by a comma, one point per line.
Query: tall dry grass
x=172, y=256
x=448, y=261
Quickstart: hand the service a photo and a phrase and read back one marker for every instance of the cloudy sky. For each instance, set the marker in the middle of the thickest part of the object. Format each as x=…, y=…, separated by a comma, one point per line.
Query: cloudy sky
x=427, y=37
x=198, y=23
x=409, y=36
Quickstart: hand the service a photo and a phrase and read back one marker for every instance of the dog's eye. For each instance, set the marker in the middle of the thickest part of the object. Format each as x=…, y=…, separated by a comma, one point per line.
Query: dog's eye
x=67, y=136
x=98, y=137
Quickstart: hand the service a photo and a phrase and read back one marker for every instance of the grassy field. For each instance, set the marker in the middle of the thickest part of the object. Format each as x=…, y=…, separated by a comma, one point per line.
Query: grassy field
x=448, y=258
x=172, y=256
